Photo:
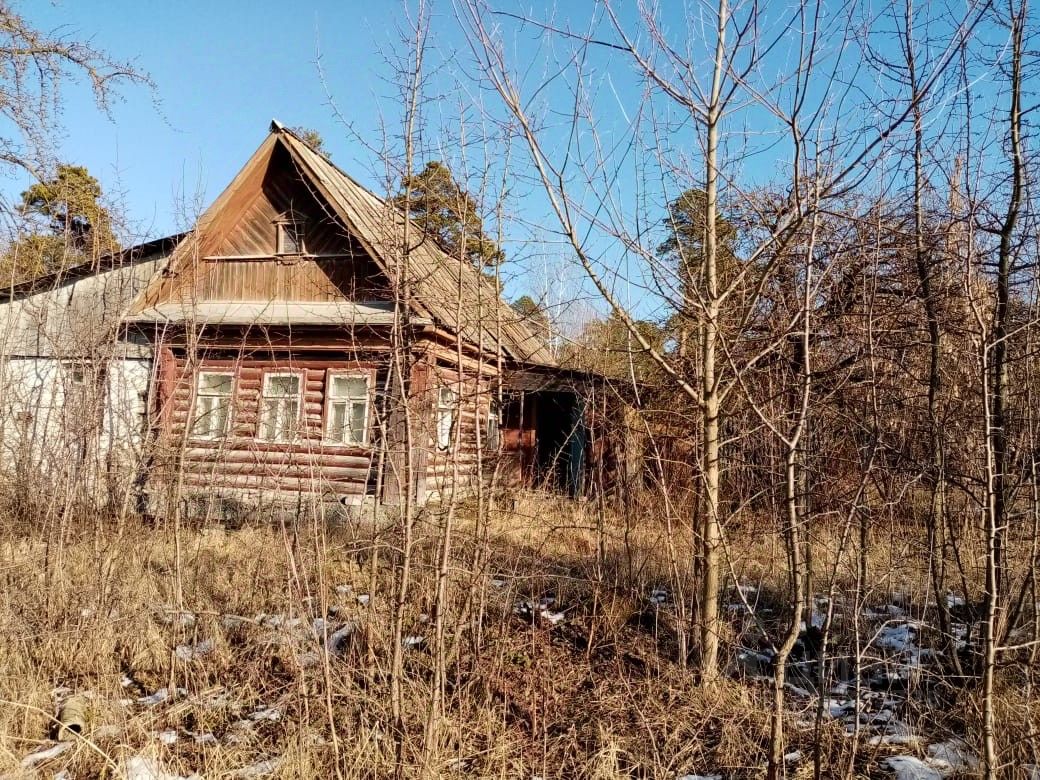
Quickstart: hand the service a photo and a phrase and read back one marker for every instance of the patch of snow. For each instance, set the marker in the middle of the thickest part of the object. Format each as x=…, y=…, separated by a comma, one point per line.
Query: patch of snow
x=339, y=640
x=141, y=768
x=231, y=622
x=160, y=696
x=205, y=739
x=659, y=596
x=838, y=708
x=167, y=737
x=528, y=610
x=272, y=714
x=953, y=755
x=363, y=599
x=802, y=692
x=45, y=754
x=899, y=637
x=793, y=757
x=498, y=582
x=279, y=621
x=906, y=740
x=62, y=775
x=197, y=650
x=176, y=617
x=344, y=590
x=953, y=600
x=412, y=641
x=757, y=665
x=910, y=768
x=700, y=777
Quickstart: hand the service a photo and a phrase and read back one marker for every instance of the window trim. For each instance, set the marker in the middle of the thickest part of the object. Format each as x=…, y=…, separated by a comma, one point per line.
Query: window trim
x=494, y=414
x=228, y=424
x=439, y=409
x=298, y=224
x=300, y=410
x=369, y=375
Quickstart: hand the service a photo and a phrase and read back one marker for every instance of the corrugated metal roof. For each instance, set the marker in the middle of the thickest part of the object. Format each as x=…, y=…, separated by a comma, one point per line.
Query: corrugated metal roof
x=271, y=313
x=453, y=293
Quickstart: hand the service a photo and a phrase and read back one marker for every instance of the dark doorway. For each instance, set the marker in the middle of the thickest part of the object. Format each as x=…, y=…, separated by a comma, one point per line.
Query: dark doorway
x=560, y=436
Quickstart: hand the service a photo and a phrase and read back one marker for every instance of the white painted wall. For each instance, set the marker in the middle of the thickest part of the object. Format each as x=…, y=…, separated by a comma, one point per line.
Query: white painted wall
x=52, y=422
x=73, y=387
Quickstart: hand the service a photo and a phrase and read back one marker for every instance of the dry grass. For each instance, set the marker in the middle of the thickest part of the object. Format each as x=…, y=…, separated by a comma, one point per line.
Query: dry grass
x=601, y=695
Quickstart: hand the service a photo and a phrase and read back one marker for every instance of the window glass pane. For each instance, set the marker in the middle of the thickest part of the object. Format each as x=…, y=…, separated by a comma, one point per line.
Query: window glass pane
x=269, y=425
x=218, y=418
x=280, y=410
x=216, y=384
x=288, y=238
x=213, y=404
x=494, y=433
x=292, y=415
x=445, y=417
x=357, y=422
x=338, y=422
x=348, y=387
x=281, y=386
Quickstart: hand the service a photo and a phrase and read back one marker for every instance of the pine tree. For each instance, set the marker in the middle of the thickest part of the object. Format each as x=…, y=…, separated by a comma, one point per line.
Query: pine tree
x=68, y=226
x=447, y=214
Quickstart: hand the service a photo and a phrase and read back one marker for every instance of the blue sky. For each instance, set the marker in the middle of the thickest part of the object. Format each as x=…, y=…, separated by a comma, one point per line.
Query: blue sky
x=224, y=69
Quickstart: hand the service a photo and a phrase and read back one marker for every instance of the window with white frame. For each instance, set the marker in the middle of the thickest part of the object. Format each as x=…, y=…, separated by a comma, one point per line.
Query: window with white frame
x=346, y=410
x=493, y=441
x=212, y=404
x=446, y=402
x=280, y=407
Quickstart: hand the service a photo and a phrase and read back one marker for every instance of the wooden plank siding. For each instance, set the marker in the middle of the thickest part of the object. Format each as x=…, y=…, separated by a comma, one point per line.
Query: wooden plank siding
x=295, y=279
x=242, y=263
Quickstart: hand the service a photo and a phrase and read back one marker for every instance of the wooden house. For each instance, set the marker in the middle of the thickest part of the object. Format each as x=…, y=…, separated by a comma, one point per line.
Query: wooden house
x=304, y=339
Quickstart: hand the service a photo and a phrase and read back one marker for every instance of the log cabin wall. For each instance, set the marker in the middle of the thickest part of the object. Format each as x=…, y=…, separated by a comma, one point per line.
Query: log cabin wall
x=241, y=460
x=466, y=455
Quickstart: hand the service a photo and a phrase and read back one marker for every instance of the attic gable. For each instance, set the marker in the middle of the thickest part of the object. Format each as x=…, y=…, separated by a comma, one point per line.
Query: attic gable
x=283, y=200
x=239, y=251
x=364, y=233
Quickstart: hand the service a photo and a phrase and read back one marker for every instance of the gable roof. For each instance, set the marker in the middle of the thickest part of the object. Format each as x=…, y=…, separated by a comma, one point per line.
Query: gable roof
x=444, y=291
x=451, y=292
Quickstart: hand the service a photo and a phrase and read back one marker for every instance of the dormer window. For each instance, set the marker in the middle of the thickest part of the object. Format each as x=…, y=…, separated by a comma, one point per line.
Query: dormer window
x=290, y=232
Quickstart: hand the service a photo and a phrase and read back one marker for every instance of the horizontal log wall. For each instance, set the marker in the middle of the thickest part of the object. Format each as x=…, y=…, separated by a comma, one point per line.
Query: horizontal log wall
x=241, y=459
x=467, y=454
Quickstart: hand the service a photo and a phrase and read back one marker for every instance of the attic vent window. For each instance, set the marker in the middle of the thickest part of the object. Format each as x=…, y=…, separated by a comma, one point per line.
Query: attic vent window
x=290, y=230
